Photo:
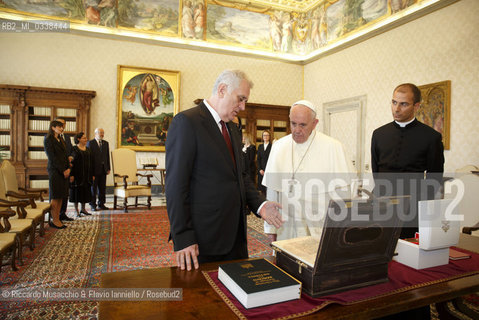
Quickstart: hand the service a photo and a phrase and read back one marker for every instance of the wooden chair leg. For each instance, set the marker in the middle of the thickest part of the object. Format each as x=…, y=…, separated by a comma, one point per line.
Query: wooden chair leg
x=125, y=204
x=14, y=252
x=32, y=238
x=149, y=202
x=136, y=202
x=115, y=198
x=19, y=240
x=42, y=226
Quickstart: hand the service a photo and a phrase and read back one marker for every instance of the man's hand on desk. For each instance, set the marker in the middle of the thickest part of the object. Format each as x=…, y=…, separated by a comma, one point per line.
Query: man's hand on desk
x=186, y=256
x=270, y=213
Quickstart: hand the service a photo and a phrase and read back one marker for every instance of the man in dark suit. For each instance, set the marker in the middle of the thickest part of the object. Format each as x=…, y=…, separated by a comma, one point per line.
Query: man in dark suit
x=262, y=158
x=207, y=187
x=407, y=156
x=68, y=145
x=101, y=168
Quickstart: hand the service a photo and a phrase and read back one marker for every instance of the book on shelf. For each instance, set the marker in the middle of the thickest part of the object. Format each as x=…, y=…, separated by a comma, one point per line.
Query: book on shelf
x=41, y=125
x=5, y=124
x=258, y=282
x=39, y=184
x=42, y=111
x=35, y=141
x=66, y=112
x=4, y=109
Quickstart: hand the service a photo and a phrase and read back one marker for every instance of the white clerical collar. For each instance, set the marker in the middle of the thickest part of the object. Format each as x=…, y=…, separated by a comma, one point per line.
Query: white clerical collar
x=213, y=112
x=265, y=144
x=403, y=124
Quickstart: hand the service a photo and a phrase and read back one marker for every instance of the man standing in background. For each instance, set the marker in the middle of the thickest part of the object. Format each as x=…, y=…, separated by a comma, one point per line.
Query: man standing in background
x=406, y=153
x=101, y=168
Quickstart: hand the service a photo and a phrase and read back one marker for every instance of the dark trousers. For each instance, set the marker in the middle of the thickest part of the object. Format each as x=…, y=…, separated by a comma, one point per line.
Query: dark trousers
x=98, y=189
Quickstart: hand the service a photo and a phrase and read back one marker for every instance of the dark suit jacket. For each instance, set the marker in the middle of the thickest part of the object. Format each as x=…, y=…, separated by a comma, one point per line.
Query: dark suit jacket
x=57, y=156
x=205, y=191
x=101, y=158
x=263, y=156
x=68, y=143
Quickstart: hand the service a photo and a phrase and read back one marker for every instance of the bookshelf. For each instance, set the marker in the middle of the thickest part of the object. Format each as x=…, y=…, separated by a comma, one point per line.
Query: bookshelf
x=259, y=117
x=5, y=131
x=28, y=112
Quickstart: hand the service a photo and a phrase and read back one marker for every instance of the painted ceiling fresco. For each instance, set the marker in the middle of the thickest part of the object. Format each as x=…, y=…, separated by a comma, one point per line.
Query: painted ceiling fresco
x=278, y=27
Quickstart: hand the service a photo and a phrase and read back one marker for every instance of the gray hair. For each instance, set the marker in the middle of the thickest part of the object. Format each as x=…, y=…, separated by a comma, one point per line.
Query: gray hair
x=232, y=78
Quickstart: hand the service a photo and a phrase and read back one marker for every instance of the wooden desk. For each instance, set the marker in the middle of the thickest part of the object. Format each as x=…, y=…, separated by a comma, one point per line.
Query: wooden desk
x=160, y=178
x=200, y=301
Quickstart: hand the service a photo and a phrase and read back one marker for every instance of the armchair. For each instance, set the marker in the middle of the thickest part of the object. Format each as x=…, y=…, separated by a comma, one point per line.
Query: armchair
x=36, y=208
x=8, y=241
x=18, y=224
x=125, y=177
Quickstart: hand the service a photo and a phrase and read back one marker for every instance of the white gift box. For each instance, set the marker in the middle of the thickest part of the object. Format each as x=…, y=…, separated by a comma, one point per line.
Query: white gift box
x=439, y=227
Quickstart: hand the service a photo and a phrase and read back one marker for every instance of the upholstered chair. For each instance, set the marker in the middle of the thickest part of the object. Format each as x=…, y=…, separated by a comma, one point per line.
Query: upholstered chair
x=20, y=225
x=37, y=208
x=125, y=177
x=8, y=241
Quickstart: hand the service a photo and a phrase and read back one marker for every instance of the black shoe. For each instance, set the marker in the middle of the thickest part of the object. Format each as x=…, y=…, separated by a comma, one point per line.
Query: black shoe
x=64, y=217
x=103, y=207
x=84, y=212
x=55, y=226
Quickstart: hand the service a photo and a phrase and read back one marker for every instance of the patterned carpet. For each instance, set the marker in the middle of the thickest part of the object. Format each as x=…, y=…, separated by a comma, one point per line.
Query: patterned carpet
x=104, y=242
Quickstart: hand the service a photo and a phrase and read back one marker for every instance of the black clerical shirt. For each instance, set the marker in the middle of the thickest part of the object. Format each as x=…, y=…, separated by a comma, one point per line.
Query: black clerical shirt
x=414, y=148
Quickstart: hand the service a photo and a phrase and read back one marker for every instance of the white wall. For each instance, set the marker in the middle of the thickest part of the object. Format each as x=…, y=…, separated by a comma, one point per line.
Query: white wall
x=81, y=62
x=443, y=45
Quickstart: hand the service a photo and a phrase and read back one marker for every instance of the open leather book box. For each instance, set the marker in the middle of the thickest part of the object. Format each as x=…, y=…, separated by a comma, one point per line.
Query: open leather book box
x=357, y=243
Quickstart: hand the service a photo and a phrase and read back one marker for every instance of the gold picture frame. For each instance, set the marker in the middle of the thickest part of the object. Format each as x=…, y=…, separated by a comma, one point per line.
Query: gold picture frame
x=435, y=110
x=148, y=99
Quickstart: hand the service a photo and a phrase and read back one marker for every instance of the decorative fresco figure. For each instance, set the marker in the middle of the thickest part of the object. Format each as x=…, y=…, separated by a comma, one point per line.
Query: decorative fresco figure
x=187, y=20
x=108, y=13
x=287, y=34
x=323, y=27
x=149, y=92
x=92, y=13
x=398, y=5
x=275, y=32
x=300, y=33
x=199, y=19
x=315, y=35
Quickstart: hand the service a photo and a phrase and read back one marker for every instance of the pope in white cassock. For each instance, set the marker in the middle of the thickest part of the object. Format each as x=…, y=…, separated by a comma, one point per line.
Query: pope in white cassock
x=305, y=170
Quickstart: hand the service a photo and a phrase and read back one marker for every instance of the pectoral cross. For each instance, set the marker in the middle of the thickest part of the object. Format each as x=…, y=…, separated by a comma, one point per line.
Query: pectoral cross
x=291, y=183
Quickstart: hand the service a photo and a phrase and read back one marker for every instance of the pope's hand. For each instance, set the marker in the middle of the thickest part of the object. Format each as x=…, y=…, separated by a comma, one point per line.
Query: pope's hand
x=270, y=213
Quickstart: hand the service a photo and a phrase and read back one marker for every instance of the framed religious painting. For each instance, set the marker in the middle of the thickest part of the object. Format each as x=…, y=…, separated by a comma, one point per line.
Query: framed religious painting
x=147, y=99
x=435, y=110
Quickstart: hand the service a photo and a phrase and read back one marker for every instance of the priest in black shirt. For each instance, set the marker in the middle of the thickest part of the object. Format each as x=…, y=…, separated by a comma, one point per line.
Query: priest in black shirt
x=407, y=156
